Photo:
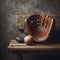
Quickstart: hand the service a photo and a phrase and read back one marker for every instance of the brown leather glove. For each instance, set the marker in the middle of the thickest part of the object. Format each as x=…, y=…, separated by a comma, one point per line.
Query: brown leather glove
x=39, y=27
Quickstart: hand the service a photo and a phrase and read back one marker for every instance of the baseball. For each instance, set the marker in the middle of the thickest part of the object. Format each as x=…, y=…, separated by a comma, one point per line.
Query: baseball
x=28, y=39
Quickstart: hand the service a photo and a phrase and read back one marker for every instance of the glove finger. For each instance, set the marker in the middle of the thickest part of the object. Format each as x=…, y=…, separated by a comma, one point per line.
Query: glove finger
x=49, y=24
x=46, y=21
x=42, y=20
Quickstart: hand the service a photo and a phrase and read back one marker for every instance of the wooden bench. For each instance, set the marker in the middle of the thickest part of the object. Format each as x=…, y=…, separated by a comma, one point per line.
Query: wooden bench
x=21, y=48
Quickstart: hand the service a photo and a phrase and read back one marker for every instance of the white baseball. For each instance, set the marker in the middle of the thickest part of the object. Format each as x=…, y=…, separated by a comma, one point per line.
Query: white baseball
x=28, y=39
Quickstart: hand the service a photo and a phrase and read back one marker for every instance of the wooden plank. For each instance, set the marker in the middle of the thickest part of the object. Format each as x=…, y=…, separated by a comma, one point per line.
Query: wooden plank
x=14, y=45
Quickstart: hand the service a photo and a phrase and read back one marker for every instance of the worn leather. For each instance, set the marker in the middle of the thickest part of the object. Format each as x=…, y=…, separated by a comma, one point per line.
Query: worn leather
x=39, y=26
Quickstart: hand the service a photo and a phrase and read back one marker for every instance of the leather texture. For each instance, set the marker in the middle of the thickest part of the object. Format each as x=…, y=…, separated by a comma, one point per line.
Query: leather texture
x=39, y=26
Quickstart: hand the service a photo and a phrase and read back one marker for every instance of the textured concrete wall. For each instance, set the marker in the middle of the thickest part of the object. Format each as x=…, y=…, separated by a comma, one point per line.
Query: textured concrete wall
x=8, y=10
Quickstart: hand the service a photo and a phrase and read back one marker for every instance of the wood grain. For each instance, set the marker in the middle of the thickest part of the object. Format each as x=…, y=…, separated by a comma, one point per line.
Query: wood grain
x=14, y=45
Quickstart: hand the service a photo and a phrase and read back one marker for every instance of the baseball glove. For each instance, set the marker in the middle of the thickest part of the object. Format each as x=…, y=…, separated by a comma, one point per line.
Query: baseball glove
x=39, y=27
